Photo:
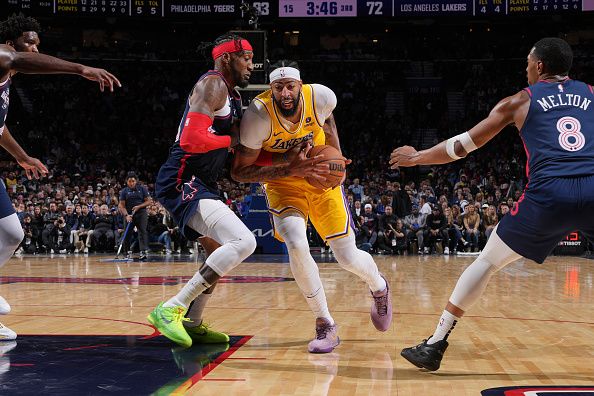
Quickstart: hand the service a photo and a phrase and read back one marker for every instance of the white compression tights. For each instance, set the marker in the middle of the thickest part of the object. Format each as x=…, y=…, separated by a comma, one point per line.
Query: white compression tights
x=357, y=261
x=215, y=220
x=474, y=279
x=11, y=236
x=305, y=270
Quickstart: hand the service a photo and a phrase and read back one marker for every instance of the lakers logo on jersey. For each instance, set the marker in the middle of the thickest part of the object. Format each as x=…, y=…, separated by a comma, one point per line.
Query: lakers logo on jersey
x=281, y=144
x=282, y=138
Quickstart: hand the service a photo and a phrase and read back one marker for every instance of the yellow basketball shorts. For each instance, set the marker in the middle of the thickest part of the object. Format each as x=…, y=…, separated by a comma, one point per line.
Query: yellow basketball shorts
x=327, y=209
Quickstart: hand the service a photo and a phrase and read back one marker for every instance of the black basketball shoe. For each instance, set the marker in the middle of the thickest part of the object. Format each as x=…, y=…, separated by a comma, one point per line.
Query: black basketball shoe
x=426, y=356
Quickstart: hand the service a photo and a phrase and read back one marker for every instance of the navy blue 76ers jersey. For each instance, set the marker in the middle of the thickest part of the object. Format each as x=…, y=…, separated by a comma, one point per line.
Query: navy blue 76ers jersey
x=558, y=133
x=4, y=101
x=205, y=166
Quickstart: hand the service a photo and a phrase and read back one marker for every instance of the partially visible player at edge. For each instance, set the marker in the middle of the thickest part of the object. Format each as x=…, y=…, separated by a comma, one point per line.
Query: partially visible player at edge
x=276, y=125
x=187, y=187
x=555, y=117
x=20, y=53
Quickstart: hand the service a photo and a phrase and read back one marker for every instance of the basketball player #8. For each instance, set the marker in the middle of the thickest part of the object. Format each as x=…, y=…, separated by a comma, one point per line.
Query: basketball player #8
x=571, y=137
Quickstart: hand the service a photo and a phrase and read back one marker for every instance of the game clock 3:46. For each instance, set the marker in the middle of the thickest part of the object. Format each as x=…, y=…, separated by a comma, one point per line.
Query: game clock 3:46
x=317, y=8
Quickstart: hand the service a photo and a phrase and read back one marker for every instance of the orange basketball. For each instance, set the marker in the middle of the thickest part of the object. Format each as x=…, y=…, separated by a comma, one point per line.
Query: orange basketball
x=335, y=161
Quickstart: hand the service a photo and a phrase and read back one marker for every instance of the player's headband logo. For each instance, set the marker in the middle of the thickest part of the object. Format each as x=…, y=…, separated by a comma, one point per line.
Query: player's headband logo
x=285, y=72
x=230, y=47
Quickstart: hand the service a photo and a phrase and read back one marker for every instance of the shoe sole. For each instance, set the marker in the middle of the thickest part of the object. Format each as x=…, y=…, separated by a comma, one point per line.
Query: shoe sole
x=419, y=365
x=153, y=321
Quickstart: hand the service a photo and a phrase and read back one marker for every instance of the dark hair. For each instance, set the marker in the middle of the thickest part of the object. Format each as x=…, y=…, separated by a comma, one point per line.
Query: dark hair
x=555, y=53
x=284, y=63
x=16, y=24
x=205, y=47
x=131, y=175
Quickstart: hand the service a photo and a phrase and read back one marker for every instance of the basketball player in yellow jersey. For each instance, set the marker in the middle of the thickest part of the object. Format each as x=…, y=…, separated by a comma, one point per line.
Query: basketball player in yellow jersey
x=277, y=129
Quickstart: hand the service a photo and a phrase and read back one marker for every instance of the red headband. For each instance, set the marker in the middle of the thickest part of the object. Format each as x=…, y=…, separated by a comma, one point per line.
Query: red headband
x=231, y=46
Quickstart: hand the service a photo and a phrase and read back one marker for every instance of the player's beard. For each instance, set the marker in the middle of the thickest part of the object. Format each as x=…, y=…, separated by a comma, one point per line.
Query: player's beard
x=288, y=112
x=239, y=79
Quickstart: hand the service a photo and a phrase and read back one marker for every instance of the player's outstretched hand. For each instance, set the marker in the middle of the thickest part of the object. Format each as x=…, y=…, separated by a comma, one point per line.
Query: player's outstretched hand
x=103, y=77
x=33, y=168
x=303, y=166
x=403, y=156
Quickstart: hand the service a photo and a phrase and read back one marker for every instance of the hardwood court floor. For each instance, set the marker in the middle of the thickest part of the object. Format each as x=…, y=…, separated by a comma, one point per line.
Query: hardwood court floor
x=534, y=326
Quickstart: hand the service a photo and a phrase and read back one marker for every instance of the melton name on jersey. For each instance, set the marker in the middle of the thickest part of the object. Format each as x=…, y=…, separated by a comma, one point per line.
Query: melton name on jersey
x=558, y=132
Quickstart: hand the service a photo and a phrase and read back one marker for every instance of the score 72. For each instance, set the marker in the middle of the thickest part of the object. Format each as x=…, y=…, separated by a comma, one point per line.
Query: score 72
x=375, y=7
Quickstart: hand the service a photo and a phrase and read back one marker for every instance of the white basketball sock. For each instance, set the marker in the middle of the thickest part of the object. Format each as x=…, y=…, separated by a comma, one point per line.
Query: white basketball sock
x=444, y=327
x=189, y=292
x=304, y=268
x=357, y=261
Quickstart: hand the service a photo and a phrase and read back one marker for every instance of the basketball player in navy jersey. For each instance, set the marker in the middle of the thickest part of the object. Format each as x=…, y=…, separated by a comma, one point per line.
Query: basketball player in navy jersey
x=555, y=117
x=20, y=53
x=186, y=186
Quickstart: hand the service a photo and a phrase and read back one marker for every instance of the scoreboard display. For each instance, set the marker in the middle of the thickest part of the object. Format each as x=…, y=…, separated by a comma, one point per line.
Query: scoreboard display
x=426, y=8
x=298, y=8
x=141, y=8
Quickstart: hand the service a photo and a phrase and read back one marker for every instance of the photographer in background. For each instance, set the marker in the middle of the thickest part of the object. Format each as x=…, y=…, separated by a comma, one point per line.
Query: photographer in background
x=60, y=237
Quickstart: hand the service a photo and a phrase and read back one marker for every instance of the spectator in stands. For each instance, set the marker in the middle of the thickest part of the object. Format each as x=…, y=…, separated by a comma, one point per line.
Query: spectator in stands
x=357, y=210
x=400, y=201
x=49, y=222
x=157, y=230
x=401, y=240
x=490, y=220
x=178, y=240
x=454, y=230
x=386, y=235
x=471, y=225
x=414, y=224
x=357, y=190
x=85, y=225
x=436, y=229
x=11, y=182
x=369, y=226
x=503, y=210
x=425, y=207
x=28, y=244
x=59, y=237
x=103, y=237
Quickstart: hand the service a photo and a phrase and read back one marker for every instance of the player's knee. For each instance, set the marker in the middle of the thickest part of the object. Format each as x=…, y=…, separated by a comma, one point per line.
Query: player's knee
x=247, y=244
x=296, y=243
x=14, y=237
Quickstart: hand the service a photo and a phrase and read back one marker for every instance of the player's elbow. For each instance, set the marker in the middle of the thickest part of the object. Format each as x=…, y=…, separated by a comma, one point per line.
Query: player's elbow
x=7, y=60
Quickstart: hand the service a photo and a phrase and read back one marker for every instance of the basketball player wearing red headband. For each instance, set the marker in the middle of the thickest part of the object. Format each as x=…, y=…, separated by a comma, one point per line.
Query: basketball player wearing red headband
x=186, y=186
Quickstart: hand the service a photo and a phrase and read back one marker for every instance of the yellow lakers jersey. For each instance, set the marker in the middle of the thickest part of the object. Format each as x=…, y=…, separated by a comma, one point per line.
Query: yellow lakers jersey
x=282, y=139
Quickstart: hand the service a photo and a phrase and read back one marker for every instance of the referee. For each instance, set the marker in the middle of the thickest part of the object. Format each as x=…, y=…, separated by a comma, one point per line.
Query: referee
x=133, y=202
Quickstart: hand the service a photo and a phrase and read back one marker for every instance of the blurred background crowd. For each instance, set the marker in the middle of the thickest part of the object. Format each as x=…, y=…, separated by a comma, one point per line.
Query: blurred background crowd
x=391, y=92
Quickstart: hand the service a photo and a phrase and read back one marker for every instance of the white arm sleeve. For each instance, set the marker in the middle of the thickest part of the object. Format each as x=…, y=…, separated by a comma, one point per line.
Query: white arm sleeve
x=325, y=101
x=255, y=126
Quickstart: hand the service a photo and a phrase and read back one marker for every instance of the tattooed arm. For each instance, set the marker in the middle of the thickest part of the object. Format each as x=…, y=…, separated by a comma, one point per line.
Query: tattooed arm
x=244, y=168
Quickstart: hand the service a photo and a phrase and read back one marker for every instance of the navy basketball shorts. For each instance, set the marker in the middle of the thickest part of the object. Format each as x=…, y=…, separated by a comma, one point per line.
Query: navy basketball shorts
x=547, y=212
x=6, y=208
